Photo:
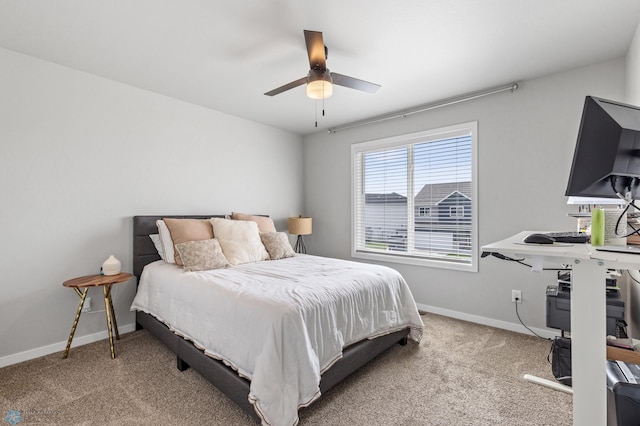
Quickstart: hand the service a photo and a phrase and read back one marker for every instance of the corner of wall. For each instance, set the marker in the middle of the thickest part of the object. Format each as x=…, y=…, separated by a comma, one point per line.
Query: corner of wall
x=633, y=70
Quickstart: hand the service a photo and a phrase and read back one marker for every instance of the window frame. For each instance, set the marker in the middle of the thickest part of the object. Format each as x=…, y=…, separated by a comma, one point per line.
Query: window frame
x=388, y=143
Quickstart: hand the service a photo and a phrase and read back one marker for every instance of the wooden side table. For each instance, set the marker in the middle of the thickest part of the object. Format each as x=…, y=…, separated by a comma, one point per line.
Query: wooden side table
x=106, y=281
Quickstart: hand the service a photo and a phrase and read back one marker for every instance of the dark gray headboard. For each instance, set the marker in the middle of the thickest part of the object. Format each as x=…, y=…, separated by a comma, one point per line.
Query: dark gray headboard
x=144, y=252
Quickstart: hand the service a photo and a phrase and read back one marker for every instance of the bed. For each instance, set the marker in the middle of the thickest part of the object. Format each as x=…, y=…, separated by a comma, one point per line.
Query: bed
x=231, y=376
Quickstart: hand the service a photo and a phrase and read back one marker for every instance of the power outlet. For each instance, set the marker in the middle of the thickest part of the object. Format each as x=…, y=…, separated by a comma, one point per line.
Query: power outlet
x=516, y=296
x=87, y=305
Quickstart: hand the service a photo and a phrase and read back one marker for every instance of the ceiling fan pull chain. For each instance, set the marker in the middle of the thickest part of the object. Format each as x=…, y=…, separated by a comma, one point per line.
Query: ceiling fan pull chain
x=316, y=113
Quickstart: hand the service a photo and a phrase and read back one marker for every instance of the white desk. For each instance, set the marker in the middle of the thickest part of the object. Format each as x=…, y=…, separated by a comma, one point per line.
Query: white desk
x=588, y=315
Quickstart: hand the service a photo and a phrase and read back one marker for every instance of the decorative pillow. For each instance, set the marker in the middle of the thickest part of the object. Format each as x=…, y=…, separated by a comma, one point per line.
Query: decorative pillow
x=265, y=224
x=240, y=240
x=201, y=255
x=167, y=242
x=158, y=244
x=183, y=230
x=277, y=244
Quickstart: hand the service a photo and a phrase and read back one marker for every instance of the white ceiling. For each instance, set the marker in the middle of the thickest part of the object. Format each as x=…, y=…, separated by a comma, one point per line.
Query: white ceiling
x=224, y=54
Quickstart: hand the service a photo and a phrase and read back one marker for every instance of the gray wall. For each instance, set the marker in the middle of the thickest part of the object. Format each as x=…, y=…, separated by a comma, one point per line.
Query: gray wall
x=79, y=156
x=526, y=141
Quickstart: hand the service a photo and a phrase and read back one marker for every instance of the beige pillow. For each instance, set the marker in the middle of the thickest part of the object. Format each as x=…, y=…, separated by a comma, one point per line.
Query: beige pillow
x=265, y=224
x=183, y=230
x=240, y=240
x=277, y=244
x=201, y=255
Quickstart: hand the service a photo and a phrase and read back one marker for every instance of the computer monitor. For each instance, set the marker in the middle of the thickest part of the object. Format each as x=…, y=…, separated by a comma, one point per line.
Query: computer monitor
x=606, y=160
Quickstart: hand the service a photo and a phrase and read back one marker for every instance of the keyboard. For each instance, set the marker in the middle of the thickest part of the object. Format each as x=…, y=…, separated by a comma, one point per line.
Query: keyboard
x=569, y=237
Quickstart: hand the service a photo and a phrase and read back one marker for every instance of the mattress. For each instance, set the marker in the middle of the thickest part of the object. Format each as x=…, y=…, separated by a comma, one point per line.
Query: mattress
x=280, y=323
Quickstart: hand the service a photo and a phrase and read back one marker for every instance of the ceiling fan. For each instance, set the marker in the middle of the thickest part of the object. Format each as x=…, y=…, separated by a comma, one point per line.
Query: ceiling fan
x=320, y=80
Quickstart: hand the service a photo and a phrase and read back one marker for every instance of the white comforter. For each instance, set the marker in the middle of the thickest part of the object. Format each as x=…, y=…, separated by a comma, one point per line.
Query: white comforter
x=279, y=323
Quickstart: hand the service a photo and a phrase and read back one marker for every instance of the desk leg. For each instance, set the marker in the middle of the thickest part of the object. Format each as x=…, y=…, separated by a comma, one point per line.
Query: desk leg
x=109, y=309
x=83, y=295
x=588, y=348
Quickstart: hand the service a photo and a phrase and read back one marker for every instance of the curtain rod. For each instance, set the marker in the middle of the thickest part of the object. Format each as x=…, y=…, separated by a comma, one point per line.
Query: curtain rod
x=426, y=107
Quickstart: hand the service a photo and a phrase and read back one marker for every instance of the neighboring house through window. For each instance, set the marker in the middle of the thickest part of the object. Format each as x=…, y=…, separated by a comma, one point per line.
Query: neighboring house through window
x=415, y=198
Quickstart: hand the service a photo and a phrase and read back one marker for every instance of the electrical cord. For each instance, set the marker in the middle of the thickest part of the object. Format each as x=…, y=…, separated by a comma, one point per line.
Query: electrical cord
x=631, y=276
x=525, y=326
x=520, y=261
x=535, y=334
x=628, y=203
x=624, y=212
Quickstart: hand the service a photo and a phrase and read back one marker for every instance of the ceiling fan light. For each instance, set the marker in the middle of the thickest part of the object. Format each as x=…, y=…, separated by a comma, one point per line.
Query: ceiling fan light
x=319, y=84
x=319, y=89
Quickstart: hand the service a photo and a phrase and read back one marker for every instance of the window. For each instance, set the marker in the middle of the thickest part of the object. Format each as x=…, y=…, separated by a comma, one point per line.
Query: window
x=456, y=211
x=415, y=198
x=424, y=211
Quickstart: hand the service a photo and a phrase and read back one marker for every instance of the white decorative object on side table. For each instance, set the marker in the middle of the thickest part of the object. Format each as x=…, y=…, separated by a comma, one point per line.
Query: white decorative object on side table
x=111, y=266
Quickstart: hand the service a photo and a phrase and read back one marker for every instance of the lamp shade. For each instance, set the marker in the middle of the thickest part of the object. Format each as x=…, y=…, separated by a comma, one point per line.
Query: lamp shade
x=300, y=225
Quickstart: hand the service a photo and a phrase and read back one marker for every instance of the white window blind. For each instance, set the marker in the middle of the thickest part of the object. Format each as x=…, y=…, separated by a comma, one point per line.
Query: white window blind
x=415, y=198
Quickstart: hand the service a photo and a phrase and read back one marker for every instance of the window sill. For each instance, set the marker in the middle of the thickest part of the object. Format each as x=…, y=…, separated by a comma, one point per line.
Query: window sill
x=416, y=261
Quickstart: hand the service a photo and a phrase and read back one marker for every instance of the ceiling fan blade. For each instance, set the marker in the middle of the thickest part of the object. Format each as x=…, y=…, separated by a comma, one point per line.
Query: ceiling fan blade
x=315, y=50
x=354, y=83
x=287, y=86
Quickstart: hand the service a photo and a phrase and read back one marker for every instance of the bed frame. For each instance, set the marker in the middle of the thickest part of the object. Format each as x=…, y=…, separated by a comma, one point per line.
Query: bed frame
x=221, y=376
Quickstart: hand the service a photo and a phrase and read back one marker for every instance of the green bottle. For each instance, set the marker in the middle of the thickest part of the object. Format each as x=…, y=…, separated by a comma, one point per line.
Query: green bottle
x=597, y=227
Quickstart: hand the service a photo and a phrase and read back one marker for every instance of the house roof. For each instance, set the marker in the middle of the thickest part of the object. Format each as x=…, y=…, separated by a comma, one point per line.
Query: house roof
x=385, y=198
x=432, y=194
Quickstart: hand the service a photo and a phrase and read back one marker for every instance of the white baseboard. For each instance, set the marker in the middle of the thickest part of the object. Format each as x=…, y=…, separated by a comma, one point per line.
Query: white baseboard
x=60, y=346
x=519, y=328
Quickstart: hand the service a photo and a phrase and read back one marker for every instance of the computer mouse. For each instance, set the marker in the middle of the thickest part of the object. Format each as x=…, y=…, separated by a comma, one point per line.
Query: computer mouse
x=539, y=239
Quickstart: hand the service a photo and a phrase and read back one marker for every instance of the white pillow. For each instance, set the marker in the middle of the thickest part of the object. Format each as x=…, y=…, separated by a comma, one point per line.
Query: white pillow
x=158, y=244
x=240, y=240
x=167, y=242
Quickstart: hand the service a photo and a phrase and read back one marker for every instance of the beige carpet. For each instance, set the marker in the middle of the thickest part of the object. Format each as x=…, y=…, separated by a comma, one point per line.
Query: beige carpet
x=460, y=374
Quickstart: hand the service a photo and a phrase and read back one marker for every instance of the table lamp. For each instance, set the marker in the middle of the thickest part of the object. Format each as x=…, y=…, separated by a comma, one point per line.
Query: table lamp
x=300, y=226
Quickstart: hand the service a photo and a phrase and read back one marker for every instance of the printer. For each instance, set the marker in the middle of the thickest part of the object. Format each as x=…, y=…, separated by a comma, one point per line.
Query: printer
x=558, y=304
